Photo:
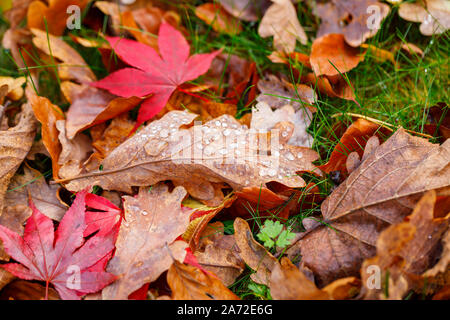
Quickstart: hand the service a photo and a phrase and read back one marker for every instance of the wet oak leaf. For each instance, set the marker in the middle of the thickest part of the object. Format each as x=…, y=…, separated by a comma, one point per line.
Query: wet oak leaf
x=281, y=22
x=248, y=10
x=145, y=246
x=154, y=74
x=380, y=192
x=357, y=20
x=190, y=283
x=220, y=151
x=53, y=257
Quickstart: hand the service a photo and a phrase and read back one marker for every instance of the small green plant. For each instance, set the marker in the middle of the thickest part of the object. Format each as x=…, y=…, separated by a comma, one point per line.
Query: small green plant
x=259, y=290
x=272, y=234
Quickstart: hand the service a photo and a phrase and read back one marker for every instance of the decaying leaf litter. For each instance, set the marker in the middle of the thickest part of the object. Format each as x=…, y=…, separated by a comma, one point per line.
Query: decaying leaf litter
x=232, y=149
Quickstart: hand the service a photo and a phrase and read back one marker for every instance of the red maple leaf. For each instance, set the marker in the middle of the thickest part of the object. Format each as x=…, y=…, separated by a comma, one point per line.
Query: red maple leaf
x=155, y=74
x=73, y=265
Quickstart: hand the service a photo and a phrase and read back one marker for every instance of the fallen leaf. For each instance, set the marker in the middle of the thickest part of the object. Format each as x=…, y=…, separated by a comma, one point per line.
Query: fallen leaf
x=380, y=192
x=163, y=151
x=43, y=257
x=220, y=20
x=190, y=283
x=281, y=22
x=15, y=143
x=438, y=123
x=218, y=254
x=253, y=253
x=91, y=106
x=289, y=283
x=145, y=247
x=263, y=118
x=73, y=66
x=248, y=10
x=15, y=90
x=357, y=20
x=26, y=290
x=48, y=114
x=405, y=248
x=52, y=17
x=156, y=75
x=353, y=139
x=331, y=56
x=337, y=87
x=432, y=14
x=278, y=93
x=17, y=12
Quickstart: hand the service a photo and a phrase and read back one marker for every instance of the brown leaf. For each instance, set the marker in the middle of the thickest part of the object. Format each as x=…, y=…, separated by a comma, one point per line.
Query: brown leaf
x=218, y=254
x=289, y=283
x=26, y=290
x=18, y=12
x=73, y=66
x=434, y=15
x=190, y=283
x=277, y=93
x=53, y=17
x=91, y=106
x=442, y=266
x=145, y=247
x=253, y=253
x=353, y=139
x=281, y=22
x=351, y=18
x=5, y=278
x=337, y=86
x=380, y=192
x=406, y=248
x=248, y=10
x=438, y=123
x=48, y=114
x=14, y=146
x=220, y=20
x=330, y=55
x=15, y=90
x=197, y=157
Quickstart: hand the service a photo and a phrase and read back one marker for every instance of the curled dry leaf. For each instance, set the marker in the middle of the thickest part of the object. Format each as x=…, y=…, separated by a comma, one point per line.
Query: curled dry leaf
x=263, y=118
x=253, y=253
x=91, y=106
x=218, y=254
x=48, y=114
x=73, y=66
x=220, y=151
x=353, y=139
x=434, y=15
x=442, y=266
x=15, y=90
x=331, y=55
x=278, y=93
x=406, y=249
x=289, y=283
x=190, y=283
x=15, y=143
x=337, y=86
x=219, y=19
x=53, y=17
x=145, y=247
x=357, y=20
x=380, y=192
x=281, y=22
x=248, y=10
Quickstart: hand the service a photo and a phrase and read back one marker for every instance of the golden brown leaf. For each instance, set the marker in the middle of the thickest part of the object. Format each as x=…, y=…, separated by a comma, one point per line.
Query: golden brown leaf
x=434, y=15
x=220, y=20
x=190, y=283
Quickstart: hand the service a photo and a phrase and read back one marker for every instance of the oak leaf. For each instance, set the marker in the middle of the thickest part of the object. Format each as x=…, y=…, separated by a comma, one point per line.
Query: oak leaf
x=432, y=14
x=220, y=151
x=248, y=10
x=380, y=192
x=281, y=22
x=145, y=246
